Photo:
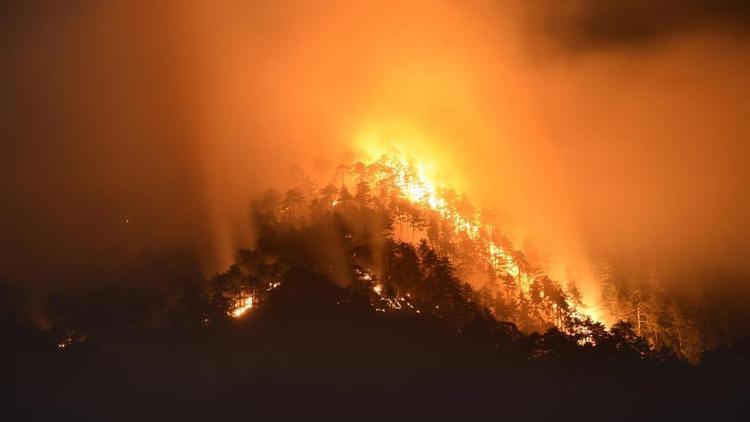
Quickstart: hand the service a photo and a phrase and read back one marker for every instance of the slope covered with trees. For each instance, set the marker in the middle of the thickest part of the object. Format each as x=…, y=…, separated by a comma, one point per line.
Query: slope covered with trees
x=385, y=227
x=357, y=296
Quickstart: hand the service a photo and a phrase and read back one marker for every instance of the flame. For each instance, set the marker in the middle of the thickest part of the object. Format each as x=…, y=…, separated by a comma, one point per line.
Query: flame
x=242, y=305
x=393, y=303
x=71, y=338
x=251, y=298
x=416, y=183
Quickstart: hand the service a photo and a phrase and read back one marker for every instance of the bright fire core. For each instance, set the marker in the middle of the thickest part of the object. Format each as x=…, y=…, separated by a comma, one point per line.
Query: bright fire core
x=413, y=182
x=416, y=184
x=242, y=305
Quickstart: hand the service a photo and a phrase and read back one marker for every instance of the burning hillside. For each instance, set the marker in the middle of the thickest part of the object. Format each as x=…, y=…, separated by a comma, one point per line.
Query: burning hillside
x=496, y=204
x=397, y=211
x=383, y=272
x=387, y=225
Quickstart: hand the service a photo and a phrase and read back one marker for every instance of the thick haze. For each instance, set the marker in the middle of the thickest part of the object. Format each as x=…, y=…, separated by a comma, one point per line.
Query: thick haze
x=615, y=132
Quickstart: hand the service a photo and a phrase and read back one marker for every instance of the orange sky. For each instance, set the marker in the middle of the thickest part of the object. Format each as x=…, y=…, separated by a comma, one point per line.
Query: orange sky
x=595, y=139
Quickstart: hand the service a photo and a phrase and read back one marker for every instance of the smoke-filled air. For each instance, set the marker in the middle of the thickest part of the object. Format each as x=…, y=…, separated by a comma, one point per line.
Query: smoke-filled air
x=501, y=167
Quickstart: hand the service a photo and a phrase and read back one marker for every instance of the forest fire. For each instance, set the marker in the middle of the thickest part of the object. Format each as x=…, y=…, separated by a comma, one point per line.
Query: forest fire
x=242, y=305
x=71, y=338
x=397, y=241
x=248, y=299
x=375, y=210
x=414, y=182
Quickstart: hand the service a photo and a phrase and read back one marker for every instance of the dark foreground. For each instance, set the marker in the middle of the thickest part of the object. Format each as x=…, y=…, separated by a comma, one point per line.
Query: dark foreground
x=324, y=364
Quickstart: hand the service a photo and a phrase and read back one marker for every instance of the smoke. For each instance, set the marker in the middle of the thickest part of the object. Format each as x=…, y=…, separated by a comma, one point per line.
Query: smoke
x=591, y=25
x=615, y=133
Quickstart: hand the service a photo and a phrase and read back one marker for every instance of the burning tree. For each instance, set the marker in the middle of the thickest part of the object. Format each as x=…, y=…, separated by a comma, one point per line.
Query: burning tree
x=404, y=243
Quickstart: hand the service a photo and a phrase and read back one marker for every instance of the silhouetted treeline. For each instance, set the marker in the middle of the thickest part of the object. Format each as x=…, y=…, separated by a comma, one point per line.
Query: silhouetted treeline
x=315, y=350
x=343, y=256
x=349, y=320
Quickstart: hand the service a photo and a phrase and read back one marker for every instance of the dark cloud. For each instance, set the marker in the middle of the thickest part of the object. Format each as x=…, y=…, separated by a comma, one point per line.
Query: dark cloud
x=592, y=24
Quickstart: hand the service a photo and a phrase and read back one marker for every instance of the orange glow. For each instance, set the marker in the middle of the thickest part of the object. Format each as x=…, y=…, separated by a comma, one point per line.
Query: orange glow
x=417, y=184
x=241, y=306
x=71, y=338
